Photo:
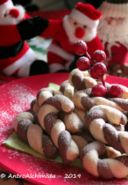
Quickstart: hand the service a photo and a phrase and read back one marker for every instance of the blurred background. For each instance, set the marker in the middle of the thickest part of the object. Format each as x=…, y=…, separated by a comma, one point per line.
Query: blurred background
x=54, y=4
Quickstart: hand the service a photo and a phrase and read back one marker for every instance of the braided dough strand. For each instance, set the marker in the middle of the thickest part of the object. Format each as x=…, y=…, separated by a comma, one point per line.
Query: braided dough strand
x=107, y=113
x=105, y=132
x=40, y=142
x=49, y=121
x=44, y=94
x=81, y=80
x=106, y=168
x=84, y=102
x=67, y=89
x=123, y=103
x=73, y=123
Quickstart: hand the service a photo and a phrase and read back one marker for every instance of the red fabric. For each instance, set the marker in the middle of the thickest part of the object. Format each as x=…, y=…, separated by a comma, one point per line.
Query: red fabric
x=5, y=79
x=56, y=31
x=61, y=39
x=119, y=54
x=9, y=35
x=54, y=14
x=115, y=79
x=94, y=45
x=53, y=28
x=88, y=10
x=3, y=1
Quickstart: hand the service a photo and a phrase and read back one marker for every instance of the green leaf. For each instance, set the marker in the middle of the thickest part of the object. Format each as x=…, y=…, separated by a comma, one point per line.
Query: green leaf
x=15, y=142
x=54, y=86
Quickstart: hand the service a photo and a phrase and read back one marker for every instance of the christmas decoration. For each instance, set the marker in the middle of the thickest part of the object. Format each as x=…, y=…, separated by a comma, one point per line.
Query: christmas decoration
x=83, y=63
x=97, y=69
x=99, y=90
x=113, y=31
x=80, y=24
x=16, y=57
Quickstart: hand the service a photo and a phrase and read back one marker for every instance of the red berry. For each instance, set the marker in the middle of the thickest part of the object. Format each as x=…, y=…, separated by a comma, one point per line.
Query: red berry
x=99, y=56
x=98, y=70
x=83, y=63
x=80, y=48
x=99, y=90
x=115, y=91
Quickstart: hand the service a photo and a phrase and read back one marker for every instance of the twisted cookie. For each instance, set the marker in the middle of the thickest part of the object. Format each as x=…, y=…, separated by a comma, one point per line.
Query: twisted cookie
x=80, y=80
x=34, y=106
x=22, y=116
x=84, y=102
x=106, y=168
x=111, y=152
x=49, y=121
x=107, y=113
x=82, y=139
x=96, y=121
x=123, y=103
x=73, y=123
x=42, y=95
x=66, y=121
x=40, y=142
x=124, y=95
x=67, y=89
x=81, y=114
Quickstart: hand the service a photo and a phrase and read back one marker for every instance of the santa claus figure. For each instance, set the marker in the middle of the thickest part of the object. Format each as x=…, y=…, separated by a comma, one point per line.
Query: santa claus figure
x=16, y=57
x=80, y=24
x=113, y=31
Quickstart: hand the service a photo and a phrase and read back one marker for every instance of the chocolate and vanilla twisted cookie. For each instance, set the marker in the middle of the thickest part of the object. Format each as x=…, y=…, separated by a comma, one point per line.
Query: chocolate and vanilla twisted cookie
x=107, y=168
x=73, y=122
x=55, y=127
x=82, y=139
x=42, y=95
x=67, y=89
x=45, y=93
x=100, y=121
x=77, y=80
x=34, y=107
x=122, y=103
x=84, y=102
x=81, y=80
x=34, y=135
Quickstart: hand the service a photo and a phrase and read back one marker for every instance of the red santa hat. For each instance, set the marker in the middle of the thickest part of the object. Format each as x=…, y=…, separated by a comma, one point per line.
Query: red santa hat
x=3, y=1
x=5, y=4
x=85, y=13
